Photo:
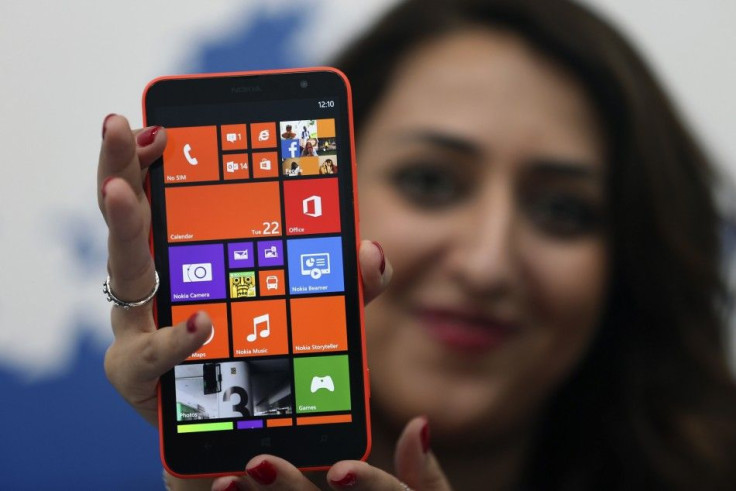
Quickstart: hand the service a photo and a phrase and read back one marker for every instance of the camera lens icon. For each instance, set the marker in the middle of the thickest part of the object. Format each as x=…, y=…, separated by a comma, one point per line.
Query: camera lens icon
x=196, y=272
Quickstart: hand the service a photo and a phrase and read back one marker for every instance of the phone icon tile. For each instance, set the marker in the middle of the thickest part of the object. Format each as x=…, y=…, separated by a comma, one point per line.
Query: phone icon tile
x=191, y=155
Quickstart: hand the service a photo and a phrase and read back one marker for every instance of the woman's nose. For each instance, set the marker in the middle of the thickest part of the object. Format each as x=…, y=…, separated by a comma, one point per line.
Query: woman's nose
x=485, y=250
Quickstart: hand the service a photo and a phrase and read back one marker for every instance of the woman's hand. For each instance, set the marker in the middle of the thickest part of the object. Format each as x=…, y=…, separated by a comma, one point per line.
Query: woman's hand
x=140, y=353
x=416, y=468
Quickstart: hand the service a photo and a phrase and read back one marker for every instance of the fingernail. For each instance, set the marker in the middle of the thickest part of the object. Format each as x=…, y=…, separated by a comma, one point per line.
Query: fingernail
x=104, y=186
x=147, y=136
x=349, y=480
x=424, y=436
x=264, y=473
x=191, y=325
x=382, y=267
x=104, y=124
x=231, y=487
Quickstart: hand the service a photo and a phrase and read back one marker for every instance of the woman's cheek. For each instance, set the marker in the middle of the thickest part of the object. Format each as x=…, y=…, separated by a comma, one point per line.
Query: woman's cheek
x=567, y=284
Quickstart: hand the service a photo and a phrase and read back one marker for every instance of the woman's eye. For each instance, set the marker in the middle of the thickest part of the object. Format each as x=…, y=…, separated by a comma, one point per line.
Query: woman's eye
x=565, y=216
x=428, y=186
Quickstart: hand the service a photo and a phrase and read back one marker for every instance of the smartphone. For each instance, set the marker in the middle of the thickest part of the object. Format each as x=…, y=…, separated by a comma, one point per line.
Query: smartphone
x=254, y=221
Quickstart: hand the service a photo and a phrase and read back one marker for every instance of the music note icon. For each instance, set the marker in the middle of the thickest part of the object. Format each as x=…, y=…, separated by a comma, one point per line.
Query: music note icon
x=258, y=321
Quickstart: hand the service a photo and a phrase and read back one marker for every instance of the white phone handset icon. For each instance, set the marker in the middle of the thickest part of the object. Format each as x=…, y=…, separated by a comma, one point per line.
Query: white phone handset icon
x=188, y=156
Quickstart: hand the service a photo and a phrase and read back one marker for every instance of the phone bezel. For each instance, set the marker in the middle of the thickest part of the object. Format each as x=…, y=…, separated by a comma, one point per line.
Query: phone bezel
x=307, y=447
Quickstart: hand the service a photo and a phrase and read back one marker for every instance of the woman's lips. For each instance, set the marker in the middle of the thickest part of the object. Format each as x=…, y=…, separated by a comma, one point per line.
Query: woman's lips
x=465, y=332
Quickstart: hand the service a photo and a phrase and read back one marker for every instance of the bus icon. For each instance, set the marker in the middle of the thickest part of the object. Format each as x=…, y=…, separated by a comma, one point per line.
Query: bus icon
x=315, y=265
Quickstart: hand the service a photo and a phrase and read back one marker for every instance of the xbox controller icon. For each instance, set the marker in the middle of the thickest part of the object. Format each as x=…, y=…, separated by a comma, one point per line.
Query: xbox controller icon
x=322, y=383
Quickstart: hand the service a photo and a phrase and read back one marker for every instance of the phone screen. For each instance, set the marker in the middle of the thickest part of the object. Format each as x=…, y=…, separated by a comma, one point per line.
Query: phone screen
x=254, y=221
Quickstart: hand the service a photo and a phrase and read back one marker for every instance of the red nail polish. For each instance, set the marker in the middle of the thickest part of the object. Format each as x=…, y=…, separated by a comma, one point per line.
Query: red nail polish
x=231, y=487
x=104, y=124
x=349, y=480
x=104, y=185
x=147, y=136
x=191, y=326
x=382, y=267
x=424, y=436
x=264, y=473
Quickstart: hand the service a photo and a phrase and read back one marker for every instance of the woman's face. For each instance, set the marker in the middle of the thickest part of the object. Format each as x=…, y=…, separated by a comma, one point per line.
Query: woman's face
x=481, y=172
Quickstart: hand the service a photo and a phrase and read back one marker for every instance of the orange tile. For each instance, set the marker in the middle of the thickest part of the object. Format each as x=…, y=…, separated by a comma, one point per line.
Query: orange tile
x=265, y=164
x=233, y=137
x=273, y=423
x=322, y=420
x=325, y=128
x=235, y=166
x=225, y=211
x=263, y=135
x=318, y=324
x=218, y=345
x=191, y=155
x=259, y=328
x=271, y=282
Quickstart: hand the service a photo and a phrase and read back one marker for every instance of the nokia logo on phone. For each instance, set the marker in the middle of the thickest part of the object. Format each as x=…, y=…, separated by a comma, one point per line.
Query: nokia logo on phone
x=246, y=88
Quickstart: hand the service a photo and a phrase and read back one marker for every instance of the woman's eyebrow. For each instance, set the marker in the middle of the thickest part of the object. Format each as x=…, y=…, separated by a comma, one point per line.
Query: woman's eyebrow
x=444, y=140
x=573, y=169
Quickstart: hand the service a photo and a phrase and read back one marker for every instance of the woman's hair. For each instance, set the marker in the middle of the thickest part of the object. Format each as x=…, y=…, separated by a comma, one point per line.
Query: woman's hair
x=653, y=403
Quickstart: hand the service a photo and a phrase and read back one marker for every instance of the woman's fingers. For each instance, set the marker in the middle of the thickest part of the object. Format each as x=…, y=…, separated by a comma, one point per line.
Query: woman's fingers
x=375, y=269
x=415, y=463
x=130, y=264
x=416, y=466
x=266, y=472
x=123, y=158
x=133, y=364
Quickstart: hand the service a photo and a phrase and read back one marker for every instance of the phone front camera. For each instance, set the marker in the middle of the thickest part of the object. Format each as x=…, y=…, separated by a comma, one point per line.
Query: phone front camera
x=303, y=84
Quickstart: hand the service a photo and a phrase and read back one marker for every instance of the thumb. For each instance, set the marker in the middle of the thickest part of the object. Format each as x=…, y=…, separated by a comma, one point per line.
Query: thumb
x=170, y=346
x=415, y=463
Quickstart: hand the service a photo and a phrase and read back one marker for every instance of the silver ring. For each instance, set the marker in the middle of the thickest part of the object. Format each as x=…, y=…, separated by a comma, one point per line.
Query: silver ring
x=111, y=297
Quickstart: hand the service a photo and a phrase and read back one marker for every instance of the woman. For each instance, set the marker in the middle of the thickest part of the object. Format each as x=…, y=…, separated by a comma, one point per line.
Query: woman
x=556, y=304
x=328, y=167
x=309, y=149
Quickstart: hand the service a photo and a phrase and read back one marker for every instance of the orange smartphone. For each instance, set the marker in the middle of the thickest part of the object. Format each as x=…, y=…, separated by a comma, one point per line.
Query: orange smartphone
x=254, y=221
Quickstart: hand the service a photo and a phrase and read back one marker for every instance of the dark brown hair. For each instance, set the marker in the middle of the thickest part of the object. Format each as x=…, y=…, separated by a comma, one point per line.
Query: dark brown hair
x=653, y=404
